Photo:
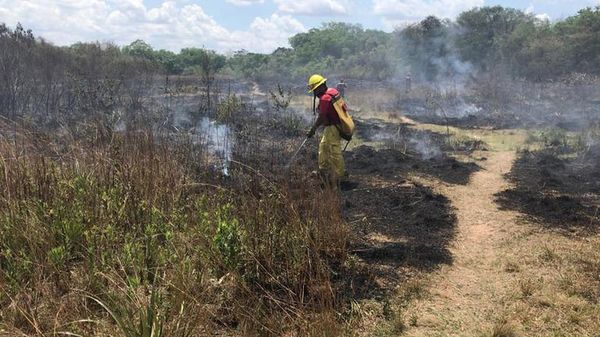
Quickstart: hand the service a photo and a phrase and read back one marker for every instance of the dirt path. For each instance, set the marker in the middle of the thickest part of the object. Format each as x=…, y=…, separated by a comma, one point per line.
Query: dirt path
x=467, y=298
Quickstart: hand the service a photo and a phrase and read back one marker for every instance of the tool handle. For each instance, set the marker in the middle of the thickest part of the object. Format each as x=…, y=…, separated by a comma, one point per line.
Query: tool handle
x=348, y=142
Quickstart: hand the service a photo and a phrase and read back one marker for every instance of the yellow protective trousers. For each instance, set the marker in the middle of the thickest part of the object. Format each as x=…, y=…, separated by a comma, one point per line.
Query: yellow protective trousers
x=331, y=161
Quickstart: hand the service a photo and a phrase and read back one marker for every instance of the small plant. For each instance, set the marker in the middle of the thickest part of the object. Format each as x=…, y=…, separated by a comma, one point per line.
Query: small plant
x=511, y=267
x=413, y=320
x=289, y=120
x=554, y=137
x=414, y=289
x=229, y=238
x=503, y=329
x=356, y=311
x=280, y=98
x=527, y=287
x=58, y=256
x=228, y=108
x=548, y=254
x=145, y=319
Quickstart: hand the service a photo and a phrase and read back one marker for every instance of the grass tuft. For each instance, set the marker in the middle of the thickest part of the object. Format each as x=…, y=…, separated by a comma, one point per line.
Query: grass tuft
x=503, y=329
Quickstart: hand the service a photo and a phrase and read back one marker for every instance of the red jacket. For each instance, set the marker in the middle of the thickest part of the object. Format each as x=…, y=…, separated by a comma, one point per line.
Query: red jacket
x=326, y=109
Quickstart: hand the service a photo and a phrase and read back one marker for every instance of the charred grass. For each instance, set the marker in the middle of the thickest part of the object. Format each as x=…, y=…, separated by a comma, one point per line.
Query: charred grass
x=403, y=148
x=556, y=191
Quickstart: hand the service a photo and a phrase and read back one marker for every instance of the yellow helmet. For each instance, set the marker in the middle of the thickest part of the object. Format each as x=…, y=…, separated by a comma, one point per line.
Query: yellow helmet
x=315, y=81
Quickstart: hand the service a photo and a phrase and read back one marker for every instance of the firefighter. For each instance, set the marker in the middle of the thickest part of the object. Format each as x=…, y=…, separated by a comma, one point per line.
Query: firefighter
x=331, y=162
x=341, y=87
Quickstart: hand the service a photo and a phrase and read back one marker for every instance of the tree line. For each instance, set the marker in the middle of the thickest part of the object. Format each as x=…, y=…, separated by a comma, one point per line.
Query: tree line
x=38, y=76
x=480, y=39
x=520, y=44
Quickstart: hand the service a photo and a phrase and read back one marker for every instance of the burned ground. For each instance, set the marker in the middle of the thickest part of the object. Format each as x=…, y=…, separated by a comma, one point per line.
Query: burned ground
x=403, y=136
x=409, y=149
x=557, y=192
x=400, y=226
x=387, y=163
x=502, y=103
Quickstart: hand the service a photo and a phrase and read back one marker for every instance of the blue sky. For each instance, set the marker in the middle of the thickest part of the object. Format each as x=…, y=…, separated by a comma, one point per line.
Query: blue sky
x=229, y=25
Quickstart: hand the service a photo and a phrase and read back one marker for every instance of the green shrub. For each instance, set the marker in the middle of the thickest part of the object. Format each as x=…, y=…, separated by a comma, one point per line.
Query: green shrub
x=229, y=238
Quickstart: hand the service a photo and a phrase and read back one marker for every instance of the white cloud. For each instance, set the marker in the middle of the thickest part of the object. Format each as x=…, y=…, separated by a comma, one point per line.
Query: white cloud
x=313, y=7
x=540, y=16
x=171, y=25
x=404, y=10
x=264, y=34
x=543, y=17
x=245, y=2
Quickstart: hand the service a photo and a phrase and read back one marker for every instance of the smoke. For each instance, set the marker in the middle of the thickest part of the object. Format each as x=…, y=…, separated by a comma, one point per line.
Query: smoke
x=218, y=139
x=463, y=109
x=215, y=138
x=425, y=147
x=431, y=55
x=405, y=139
x=449, y=71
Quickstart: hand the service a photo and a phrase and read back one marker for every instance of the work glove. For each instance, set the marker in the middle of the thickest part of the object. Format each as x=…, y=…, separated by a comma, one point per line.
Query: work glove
x=310, y=133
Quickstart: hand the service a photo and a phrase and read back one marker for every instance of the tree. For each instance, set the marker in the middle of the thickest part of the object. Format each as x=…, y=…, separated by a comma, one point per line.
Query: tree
x=206, y=63
x=248, y=65
x=17, y=49
x=426, y=46
x=535, y=51
x=170, y=61
x=481, y=30
x=139, y=48
x=582, y=35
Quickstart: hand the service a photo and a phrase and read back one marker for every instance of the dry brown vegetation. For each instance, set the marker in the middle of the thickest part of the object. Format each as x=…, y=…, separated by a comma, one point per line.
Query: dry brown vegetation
x=134, y=237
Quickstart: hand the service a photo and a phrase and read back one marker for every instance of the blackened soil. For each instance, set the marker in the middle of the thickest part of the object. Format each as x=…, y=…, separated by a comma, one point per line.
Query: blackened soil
x=558, y=193
x=400, y=226
x=389, y=163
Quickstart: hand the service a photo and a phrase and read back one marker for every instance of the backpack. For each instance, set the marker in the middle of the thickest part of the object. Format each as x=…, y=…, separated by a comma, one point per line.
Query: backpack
x=346, y=126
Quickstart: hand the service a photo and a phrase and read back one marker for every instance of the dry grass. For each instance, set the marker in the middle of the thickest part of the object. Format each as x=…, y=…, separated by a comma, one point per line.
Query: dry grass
x=135, y=237
x=558, y=292
x=503, y=329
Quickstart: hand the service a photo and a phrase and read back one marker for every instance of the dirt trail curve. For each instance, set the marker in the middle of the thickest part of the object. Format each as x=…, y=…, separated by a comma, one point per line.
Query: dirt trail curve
x=467, y=297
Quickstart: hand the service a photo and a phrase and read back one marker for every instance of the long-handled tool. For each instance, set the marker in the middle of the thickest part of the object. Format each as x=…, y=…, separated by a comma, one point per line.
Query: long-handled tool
x=344, y=150
x=296, y=153
x=305, y=139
